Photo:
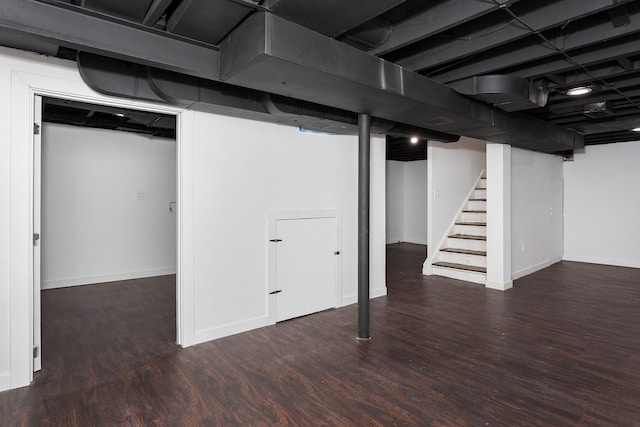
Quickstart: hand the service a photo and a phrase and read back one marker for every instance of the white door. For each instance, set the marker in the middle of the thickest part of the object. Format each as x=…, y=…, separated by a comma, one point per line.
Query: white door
x=37, y=170
x=556, y=212
x=306, y=261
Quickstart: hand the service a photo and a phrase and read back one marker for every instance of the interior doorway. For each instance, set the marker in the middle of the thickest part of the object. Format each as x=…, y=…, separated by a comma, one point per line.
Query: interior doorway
x=406, y=198
x=105, y=199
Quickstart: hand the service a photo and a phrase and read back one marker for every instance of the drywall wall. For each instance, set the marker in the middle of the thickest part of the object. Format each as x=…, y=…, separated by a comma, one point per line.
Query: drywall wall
x=105, y=206
x=224, y=193
x=536, y=211
x=268, y=168
x=415, y=202
x=395, y=177
x=498, y=217
x=407, y=202
x=452, y=171
x=602, y=205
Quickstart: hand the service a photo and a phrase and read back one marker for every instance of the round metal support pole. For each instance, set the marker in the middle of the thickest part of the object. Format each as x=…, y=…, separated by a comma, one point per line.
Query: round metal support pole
x=364, y=176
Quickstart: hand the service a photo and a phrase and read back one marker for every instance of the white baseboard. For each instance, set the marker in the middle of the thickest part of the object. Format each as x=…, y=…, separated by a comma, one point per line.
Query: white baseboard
x=209, y=334
x=534, y=268
x=605, y=261
x=376, y=293
x=373, y=293
x=499, y=286
x=5, y=381
x=78, y=281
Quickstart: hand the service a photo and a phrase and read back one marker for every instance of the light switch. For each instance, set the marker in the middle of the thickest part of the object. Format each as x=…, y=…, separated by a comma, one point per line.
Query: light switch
x=172, y=207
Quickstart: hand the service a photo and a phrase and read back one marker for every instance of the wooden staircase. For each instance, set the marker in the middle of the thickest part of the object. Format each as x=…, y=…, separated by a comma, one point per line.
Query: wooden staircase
x=463, y=255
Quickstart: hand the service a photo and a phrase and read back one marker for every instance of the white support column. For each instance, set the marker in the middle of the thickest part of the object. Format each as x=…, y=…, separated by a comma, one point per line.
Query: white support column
x=499, y=217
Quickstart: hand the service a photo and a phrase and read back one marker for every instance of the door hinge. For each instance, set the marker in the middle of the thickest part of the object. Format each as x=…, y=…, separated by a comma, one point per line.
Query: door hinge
x=36, y=129
x=275, y=292
x=275, y=240
x=36, y=237
x=36, y=352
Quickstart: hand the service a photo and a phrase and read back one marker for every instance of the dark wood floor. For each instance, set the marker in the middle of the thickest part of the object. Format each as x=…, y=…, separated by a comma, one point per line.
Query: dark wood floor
x=560, y=349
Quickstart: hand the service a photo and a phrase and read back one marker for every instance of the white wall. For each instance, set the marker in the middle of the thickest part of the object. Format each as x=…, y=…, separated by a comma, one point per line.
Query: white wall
x=415, y=202
x=224, y=193
x=395, y=201
x=536, y=185
x=407, y=202
x=452, y=171
x=602, y=205
x=94, y=228
x=266, y=168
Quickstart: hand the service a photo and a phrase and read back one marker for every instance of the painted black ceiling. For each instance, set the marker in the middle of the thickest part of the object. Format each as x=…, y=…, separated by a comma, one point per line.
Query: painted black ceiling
x=545, y=47
x=105, y=117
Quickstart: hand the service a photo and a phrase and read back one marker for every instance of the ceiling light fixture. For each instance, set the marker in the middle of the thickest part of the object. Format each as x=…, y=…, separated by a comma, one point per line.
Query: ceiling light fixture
x=579, y=90
x=414, y=139
x=120, y=114
x=635, y=130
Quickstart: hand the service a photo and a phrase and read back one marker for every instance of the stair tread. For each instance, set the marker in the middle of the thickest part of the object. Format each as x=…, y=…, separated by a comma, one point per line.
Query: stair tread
x=467, y=237
x=464, y=251
x=479, y=224
x=480, y=188
x=455, y=266
x=477, y=200
x=474, y=211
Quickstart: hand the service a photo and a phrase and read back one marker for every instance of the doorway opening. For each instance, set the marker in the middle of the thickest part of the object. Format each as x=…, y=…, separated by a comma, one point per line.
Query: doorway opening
x=406, y=203
x=105, y=216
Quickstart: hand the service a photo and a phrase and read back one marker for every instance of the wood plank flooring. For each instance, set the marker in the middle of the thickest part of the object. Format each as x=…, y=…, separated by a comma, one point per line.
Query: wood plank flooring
x=560, y=349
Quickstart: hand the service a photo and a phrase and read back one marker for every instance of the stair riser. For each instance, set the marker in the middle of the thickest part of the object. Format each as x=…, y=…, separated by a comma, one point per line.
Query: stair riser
x=476, y=206
x=468, y=276
x=465, y=259
x=479, y=194
x=482, y=183
x=473, y=245
x=472, y=230
x=473, y=217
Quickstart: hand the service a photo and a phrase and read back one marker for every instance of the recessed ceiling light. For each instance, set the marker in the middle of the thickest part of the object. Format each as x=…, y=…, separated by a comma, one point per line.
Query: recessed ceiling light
x=579, y=90
x=120, y=114
x=414, y=139
x=635, y=130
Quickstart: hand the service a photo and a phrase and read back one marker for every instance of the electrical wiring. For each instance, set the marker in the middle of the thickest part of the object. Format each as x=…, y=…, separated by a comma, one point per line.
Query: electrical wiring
x=564, y=53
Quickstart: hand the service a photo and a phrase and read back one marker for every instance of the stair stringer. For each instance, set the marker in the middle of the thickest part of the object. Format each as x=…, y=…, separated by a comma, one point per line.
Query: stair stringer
x=427, y=266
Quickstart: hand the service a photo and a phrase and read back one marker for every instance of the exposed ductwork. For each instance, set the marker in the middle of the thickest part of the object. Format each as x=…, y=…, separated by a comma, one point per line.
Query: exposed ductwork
x=268, y=54
x=118, y=78
x=510, y=93
x=271, y=54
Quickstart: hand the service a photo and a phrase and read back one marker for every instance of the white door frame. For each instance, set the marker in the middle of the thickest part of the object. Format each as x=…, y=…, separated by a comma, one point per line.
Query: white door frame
x=24, y=88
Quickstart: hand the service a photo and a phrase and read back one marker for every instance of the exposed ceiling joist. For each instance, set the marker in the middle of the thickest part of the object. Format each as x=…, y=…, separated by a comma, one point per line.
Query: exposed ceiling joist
x=70, y=27
x=504, y=31
x=534, y=50
x=438, y=18
x=575, y=105
x=155, y=11
x=626, y=47
x=206, y=20
x=580, y=77
x=330, y=17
